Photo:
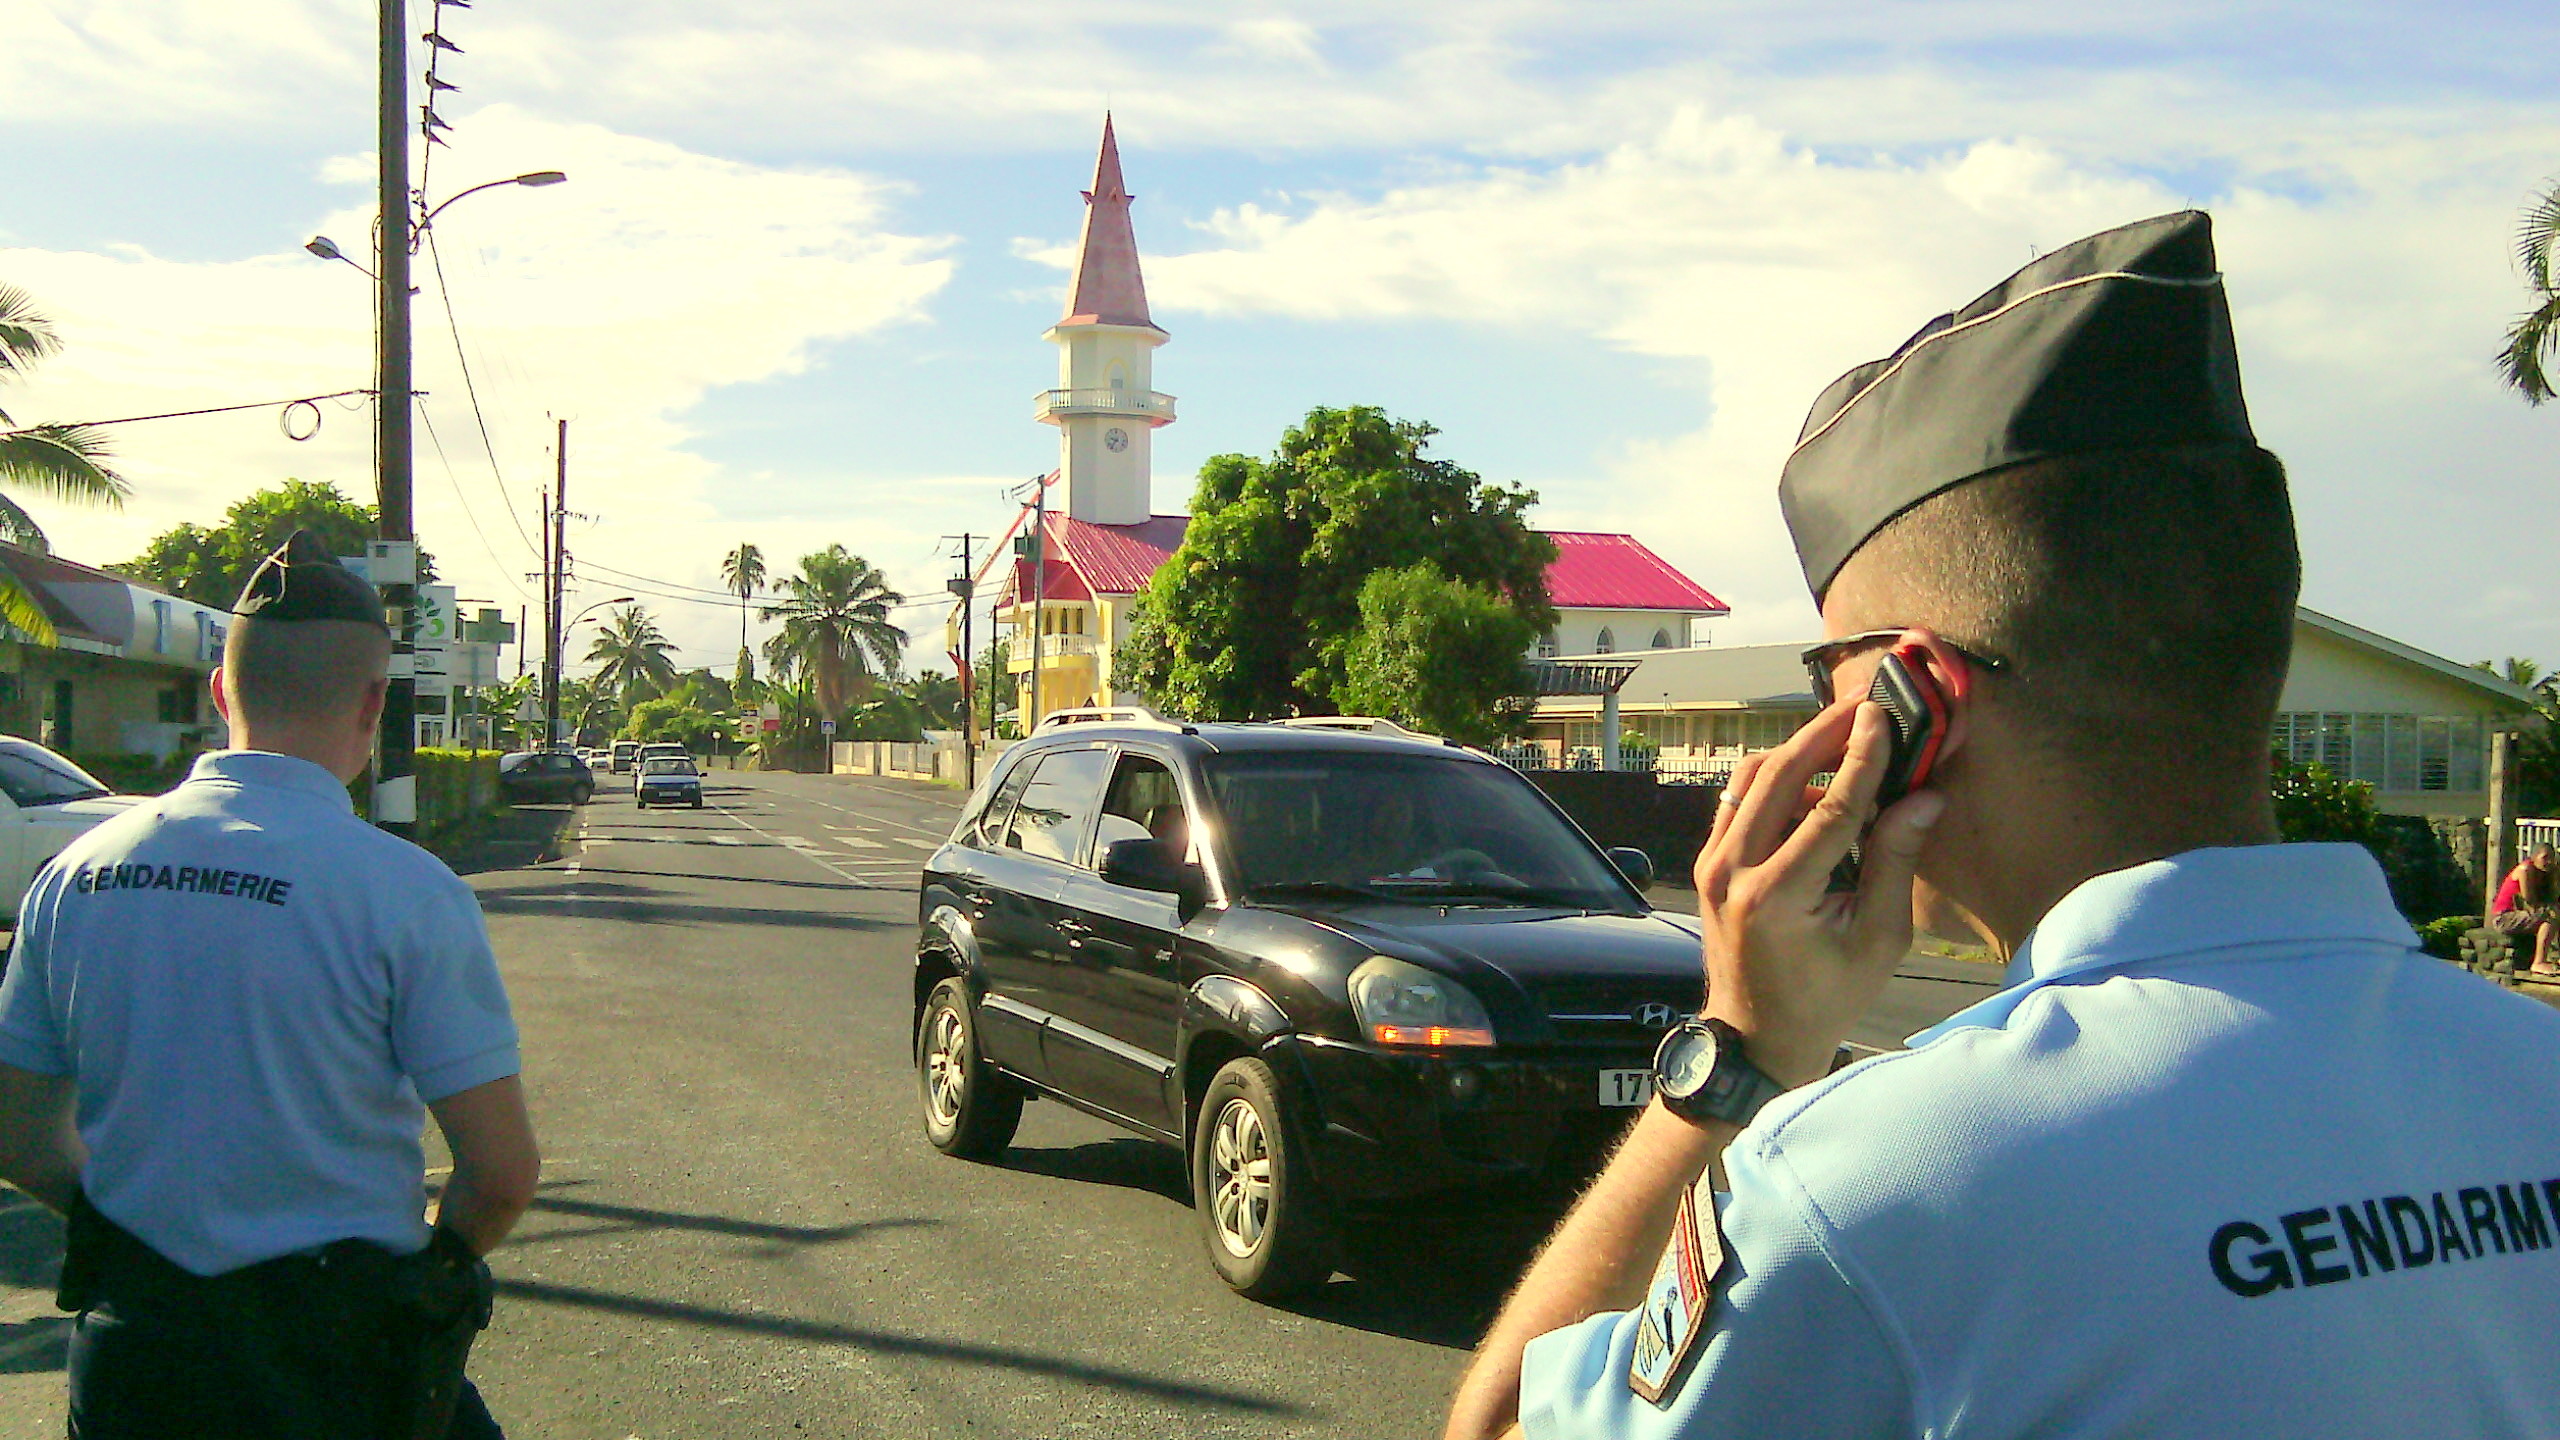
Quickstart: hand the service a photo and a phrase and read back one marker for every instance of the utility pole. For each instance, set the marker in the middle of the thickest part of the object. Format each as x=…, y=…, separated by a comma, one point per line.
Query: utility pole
x=965, y=587
x=1039, y=592
x=395, y=782
x=557, y=546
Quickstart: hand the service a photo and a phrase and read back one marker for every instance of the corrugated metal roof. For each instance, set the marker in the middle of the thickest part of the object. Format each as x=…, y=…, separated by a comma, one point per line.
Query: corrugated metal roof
x=1616, y=572
x=1592, y=571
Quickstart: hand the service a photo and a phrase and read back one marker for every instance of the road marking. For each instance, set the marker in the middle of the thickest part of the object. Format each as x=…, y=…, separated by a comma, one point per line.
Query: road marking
x=857, y=842
x=937, y=834
x=795, y=841
x=726, y=840
x=920, y=844
x=803, y=849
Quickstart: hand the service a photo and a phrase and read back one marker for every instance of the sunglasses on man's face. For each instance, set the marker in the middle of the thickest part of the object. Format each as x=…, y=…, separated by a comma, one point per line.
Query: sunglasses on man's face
x=1822, y=659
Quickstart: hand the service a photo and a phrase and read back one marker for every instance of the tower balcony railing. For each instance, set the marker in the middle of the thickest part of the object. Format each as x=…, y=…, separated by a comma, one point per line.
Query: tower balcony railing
x=1054, y=650
x=1148, y=405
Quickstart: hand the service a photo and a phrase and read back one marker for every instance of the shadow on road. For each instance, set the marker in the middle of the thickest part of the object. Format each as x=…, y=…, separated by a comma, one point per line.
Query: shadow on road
x=638, y=905
x=31, y=1259
x=622, y=1219
x=1125, y=1161
x=730, y=879
x=1434, y=1271
x=883, y=1342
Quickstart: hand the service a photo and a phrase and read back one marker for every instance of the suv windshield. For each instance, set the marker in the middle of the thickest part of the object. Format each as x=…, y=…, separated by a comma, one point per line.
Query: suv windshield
x=30, y=780
x=1407, y=826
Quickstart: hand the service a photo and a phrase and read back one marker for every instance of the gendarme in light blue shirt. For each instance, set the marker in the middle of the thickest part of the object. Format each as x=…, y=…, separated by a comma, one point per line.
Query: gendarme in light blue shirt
x=253, y=991
x=2227, y=1157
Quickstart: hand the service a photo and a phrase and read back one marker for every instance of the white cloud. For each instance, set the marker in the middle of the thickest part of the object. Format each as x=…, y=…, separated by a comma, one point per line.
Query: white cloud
x=1763, y=269
x=617, y=300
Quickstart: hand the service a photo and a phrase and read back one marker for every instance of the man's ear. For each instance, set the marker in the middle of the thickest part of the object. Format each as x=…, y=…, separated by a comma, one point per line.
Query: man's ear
x=1954, y=676
x=376, y=692
x=221, y=696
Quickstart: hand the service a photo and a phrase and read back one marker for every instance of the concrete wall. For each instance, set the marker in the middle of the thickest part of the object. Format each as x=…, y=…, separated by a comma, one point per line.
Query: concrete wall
x=117, y=705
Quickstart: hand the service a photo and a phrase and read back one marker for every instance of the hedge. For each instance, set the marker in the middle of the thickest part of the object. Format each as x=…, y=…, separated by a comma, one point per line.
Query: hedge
x=454, y=788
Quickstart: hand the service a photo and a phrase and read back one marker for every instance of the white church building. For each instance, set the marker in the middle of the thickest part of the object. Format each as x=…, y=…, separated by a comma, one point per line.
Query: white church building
x=1104, y=538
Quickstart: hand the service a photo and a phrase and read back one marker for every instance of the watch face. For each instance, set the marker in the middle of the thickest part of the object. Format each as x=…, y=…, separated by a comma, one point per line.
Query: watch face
x=1686, y=1060
x=1115, y=438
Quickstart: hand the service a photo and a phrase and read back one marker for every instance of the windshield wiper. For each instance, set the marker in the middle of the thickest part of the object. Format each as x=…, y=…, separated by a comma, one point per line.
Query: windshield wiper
x=1318, y=888
x=1508, y=894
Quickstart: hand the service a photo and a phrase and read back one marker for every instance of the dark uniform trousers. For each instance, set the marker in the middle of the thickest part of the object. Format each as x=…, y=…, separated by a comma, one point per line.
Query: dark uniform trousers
x=303, y=1347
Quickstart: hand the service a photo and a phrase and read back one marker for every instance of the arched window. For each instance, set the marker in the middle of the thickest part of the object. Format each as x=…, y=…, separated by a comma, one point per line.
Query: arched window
x=1117, y=378
x=1661, y=639
x=1607, y=644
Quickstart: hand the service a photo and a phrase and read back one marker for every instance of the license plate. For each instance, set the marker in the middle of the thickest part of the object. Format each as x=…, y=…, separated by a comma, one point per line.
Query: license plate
x=1625, y=1087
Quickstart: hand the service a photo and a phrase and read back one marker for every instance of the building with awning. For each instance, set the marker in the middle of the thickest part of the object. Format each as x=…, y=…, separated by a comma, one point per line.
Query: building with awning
x=129, y=672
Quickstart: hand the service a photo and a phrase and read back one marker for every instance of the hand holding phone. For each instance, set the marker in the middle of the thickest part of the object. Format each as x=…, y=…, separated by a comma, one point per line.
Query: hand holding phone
x=1791, y=963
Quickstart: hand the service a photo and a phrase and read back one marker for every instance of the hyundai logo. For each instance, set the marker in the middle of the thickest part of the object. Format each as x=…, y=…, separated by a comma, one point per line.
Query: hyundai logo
x=1655, y=1015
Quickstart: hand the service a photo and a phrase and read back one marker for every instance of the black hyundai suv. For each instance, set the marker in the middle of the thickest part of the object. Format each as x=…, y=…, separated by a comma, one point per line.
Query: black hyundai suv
x=1339, y=969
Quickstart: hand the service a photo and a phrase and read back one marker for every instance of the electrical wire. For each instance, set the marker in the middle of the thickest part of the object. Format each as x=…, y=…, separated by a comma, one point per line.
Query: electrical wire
x=180, y=414
x=455, y=481
x=453, y=327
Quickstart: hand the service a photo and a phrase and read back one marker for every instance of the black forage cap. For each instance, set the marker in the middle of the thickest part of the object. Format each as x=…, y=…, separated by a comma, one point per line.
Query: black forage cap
x=303, y=581
x=2117, y=341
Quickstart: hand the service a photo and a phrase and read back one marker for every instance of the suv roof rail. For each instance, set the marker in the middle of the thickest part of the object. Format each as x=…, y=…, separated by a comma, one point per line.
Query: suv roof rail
x=1107, y=715
x=1365, y=724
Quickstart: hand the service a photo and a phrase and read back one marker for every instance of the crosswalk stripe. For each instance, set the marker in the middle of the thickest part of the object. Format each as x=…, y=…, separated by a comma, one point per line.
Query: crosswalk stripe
x=857, y=842
x=920, y=844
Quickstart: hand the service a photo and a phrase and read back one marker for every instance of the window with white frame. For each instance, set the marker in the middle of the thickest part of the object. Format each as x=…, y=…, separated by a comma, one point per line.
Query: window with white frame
x=2395, y=754
x=1547, y=646
x=1607, y=644
x=1662, y=639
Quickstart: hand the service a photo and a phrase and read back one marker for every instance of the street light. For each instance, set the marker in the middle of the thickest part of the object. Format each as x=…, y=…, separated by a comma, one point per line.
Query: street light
x=535, y=180
x=327, y=249
x=551, y=667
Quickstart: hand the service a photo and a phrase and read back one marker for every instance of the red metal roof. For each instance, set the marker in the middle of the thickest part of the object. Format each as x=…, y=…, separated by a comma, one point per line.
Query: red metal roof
x=1592, y=572
x=1616, y=572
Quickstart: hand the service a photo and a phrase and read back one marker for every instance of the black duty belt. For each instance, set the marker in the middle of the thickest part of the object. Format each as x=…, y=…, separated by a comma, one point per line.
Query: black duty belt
x=424, y=1310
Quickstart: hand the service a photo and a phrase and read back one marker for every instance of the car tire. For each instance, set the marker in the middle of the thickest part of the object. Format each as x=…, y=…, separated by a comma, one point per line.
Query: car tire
x=969, y=1110
x=1262, y=1214
x=697, y=802
x=582, y=795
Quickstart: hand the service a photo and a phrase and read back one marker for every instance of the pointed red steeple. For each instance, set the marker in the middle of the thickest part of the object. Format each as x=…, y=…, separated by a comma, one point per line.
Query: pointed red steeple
x=1108, y=288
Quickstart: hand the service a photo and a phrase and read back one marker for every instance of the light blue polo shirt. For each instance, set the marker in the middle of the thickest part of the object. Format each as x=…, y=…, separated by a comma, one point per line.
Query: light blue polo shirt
x=2227, y=1157
x=253, y=990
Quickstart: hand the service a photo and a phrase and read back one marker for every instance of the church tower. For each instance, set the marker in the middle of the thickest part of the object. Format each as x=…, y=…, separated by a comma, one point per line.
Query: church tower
x=1106, y=406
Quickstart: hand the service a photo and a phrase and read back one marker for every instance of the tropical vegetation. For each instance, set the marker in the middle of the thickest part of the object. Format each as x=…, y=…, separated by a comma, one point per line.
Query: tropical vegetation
x=66, y=462
x=1259, y=613
x=210, y=563
x=835, y=631
x=742, y=570
x=2533, y=341
x=631, y=656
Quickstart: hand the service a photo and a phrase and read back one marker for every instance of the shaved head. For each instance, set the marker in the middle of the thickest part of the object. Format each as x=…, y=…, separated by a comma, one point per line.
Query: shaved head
x=2142, y=598
x=288, y=674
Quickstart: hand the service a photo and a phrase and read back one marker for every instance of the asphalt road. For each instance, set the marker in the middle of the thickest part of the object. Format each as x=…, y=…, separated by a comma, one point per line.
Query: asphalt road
x=742, y=1232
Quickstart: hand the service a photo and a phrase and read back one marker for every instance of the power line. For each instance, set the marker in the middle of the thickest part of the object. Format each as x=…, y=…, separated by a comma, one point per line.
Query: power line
x=181, y=414
x=453, y=327
x=456, y=482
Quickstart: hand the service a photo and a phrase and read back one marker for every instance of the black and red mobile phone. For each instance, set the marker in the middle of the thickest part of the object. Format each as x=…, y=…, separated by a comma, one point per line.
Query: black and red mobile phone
x=1915, y=709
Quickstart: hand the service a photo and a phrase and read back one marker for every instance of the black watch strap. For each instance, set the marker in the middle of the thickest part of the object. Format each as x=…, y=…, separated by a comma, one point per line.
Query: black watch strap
x=1735, y=1089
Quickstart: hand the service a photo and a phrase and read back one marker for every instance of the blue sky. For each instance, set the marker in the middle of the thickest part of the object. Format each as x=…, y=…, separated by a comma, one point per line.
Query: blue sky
x=794, y=290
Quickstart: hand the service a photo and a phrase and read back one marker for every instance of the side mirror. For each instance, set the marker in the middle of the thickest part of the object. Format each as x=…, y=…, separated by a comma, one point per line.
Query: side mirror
x=1152, y=865
x=1636, y=865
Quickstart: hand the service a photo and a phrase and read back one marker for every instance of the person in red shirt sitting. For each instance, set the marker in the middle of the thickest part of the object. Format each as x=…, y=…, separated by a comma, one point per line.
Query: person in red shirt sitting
x=2524, y=905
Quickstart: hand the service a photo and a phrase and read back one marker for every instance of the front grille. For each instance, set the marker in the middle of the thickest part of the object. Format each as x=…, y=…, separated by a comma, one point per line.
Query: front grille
x=1612, y=1011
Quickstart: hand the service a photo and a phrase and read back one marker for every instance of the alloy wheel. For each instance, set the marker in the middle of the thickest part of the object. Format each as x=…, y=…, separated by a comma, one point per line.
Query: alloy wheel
x=1240, y=1178
x=946, y=1061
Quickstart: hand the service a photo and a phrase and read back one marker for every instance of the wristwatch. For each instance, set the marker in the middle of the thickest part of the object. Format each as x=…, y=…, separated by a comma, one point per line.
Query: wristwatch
x=1700, y=1073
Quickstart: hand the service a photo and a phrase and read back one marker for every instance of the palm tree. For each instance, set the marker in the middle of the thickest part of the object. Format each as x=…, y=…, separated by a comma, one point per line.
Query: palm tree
x=2535, y=337
x=630, y=654
x=67, y=462
x=742, y=570
x=836, y=626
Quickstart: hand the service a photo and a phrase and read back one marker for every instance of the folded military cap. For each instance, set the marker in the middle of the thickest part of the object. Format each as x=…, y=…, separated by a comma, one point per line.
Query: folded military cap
x=303, y=581
x=2120, y=340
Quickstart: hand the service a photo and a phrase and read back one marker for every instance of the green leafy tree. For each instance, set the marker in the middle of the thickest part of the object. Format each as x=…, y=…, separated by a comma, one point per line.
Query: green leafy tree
x=2534, y=339
x=836, y=627
x=66, y=462
x=669, y=717
x=209, y=566
x=743, y=684
x=2315, y=805
x=1257, y=614
x=797, y=743
x=1438, y=654
x=631, y=656
x=993, y=684
x=742, y=570
x=936, y=698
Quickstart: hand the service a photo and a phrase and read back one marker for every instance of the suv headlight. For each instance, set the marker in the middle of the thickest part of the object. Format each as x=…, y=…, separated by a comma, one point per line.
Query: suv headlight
x=1403, y=1004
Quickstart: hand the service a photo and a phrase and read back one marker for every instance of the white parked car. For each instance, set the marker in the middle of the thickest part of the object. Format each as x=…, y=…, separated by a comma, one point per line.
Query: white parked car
x=45, y=803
